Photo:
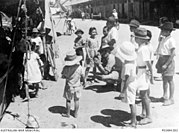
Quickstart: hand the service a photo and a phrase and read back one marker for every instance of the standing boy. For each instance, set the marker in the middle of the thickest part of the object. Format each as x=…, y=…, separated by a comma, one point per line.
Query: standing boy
x=166, y=64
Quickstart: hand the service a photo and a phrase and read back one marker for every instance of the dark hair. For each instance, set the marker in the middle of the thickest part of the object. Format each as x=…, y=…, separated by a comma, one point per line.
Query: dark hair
x=149, y=34
x=105, y=27
x=91, y=29
x=163, y=20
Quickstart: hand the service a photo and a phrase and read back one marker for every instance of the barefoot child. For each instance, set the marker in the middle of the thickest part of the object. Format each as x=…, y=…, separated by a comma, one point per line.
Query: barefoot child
x=166, y=64
x=73, y=74
x=92, y=47
x=32, y=73
x=143, y=63
x=128, y=94
x=79, y=44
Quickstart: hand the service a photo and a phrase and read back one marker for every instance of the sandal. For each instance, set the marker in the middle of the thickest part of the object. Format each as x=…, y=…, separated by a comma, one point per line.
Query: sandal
x=145, y=121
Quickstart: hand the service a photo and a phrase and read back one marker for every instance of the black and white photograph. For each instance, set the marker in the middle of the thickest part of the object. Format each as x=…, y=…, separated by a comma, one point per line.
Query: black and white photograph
x=89, y=64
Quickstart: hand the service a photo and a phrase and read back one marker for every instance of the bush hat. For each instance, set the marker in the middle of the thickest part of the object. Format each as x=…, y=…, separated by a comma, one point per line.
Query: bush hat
x=167, y=26
x=134, y=23
x=141, y=33
x=79, y=31
x=104, y=47
x=71, y=58
x=127, y=51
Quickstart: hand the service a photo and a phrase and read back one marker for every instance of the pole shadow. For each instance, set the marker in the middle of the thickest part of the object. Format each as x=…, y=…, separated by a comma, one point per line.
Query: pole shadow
x=100, y=88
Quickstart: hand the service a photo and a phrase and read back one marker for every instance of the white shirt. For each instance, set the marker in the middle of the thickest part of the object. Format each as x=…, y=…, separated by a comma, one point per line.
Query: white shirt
x=132, y=40
x=151, y=49
x=115, y=14
x=130, y=70
x=112, y=34
x=166, y=45
x=143, y=55
x=38, y=42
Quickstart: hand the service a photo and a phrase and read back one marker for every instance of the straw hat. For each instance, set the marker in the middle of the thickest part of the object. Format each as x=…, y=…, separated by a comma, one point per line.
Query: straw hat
x=127, y=51
x=34, y=30
x=167, y=26
x=134, y=23
x=71, y=58
x=141, y=33
x=104, y=47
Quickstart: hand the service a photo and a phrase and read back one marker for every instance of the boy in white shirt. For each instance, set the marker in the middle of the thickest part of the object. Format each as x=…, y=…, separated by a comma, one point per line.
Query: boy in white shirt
x=166, y=64
x=143, y=62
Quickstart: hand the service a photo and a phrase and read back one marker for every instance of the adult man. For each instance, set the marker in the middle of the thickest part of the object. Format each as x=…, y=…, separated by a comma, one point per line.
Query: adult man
x=109, y=66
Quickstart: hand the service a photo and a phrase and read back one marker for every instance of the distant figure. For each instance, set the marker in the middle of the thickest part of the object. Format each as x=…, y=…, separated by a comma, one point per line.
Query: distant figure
x=115, y=15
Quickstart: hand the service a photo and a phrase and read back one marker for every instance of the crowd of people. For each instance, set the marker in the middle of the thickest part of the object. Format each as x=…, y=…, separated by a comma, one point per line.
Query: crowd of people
x=128, y=67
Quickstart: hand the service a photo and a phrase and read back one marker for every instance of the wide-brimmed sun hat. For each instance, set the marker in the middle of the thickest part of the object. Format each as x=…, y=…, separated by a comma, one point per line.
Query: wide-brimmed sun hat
x=141, y=33
x=71, y=58
x=127, y=51
x=35, y=30
x=134, y=23
x=167, y=26
x=104, y=47
x=79, y=31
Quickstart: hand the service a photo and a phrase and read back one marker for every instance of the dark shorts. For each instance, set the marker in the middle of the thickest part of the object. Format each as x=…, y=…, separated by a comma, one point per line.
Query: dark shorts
x=170, y=70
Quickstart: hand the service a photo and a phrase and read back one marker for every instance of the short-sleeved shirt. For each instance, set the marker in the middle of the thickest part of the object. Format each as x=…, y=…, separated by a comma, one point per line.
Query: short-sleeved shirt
x=115, y=14
x=130, y=70
x=166, y=45
x=143, y=55
x=112, y=34
x=72, y=74
x=38, y=42
x=112, y=64
x=79, y=42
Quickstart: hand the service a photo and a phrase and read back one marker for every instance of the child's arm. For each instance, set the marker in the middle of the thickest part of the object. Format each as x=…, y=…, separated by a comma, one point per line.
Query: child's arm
x=170, y=59
x=149, y=65
x=125, y=83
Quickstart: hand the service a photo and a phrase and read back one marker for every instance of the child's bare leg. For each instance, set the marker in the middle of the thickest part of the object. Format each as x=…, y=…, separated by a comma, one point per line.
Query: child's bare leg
x=146, y=103
x=94, y=72
x=172, y=87
x=170, y=101
x=133, y=115
x=36, y=85
x=68, y=107
x=27, y=91
x=165, y=87
x=143, y=109
x=76, y=101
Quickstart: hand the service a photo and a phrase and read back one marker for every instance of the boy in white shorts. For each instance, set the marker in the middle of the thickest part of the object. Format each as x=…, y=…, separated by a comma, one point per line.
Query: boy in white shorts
x=143, y=63
x=128, y=94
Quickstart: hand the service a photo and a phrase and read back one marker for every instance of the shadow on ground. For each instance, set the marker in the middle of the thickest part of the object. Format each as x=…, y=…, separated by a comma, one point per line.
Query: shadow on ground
x=100, y=88
x=115, y=117
x=57, y=109
x=155, y=100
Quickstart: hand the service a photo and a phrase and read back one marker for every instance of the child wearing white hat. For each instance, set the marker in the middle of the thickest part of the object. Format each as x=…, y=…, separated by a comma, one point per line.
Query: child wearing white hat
x=73, y=73
x=128, y=94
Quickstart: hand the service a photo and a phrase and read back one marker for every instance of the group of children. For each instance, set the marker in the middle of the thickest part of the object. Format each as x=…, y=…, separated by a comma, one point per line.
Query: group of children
x=137, y=72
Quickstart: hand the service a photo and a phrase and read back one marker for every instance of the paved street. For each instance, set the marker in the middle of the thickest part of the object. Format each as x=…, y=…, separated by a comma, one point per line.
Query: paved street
x=98, y=109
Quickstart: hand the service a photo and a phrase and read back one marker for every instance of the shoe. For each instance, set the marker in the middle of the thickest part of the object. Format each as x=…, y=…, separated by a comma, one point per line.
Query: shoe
x=168, y=102
x=145, y=121
x=66, y=115
x=142, y=116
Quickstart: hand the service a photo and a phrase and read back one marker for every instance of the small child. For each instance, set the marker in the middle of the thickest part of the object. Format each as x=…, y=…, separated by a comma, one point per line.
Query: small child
x=92, y=47
x=104, y=38
x=73, y=74
x=79, y=44
x=128, y=94
x=32, y=73
x=166, y=64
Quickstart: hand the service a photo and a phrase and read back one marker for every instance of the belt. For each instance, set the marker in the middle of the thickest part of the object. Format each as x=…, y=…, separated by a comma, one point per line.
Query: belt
x=141, y=67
